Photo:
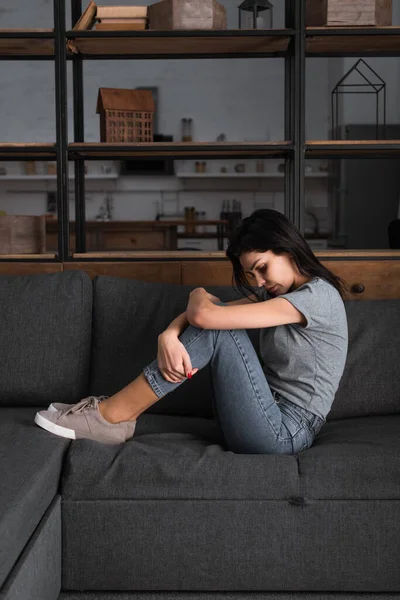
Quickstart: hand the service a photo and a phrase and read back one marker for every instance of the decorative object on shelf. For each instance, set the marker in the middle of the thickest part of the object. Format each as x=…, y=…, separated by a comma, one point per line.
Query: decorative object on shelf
x=106, y=211
x=125, y=115
x=200, y=167
x=22, y=234
x=51, y=168
x=240, y=168
x=339, y=13
x=221, y=138
x=223, y=170
x=155, y=94
x=30, y=167
x=187, y=14
x=234, y=216
x=187, y=130
x=260, y=167
x=368, y=79
x=190, y=215
x=255, y=14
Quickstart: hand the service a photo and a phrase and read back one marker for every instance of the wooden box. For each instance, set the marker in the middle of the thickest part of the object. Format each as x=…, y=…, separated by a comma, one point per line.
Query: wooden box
x=187, y=14
x=351, y=13
x=21, y=234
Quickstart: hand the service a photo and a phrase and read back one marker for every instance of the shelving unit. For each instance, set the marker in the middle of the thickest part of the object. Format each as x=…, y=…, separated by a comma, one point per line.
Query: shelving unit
x=294, y=43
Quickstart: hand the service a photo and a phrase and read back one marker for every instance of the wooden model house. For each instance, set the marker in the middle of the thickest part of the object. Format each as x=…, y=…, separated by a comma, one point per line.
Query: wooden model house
x=125, y=115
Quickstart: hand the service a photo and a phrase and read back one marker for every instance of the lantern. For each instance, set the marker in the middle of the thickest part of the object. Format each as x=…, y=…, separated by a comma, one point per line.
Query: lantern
x=256, y=14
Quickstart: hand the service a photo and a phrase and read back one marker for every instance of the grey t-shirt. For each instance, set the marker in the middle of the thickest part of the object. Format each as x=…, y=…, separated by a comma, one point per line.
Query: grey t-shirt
x=305, y=364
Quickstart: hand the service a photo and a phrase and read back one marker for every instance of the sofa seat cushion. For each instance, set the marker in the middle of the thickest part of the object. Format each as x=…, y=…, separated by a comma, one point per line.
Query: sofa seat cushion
x=30, y=465
x=173, y=457
x=185, y=457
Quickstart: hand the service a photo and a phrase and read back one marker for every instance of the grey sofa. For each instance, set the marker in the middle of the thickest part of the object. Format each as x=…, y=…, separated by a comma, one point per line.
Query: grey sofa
x=173, y=512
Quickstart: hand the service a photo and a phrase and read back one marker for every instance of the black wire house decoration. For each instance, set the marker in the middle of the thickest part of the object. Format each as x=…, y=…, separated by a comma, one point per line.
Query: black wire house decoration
x=369, y=85
x=250, y=17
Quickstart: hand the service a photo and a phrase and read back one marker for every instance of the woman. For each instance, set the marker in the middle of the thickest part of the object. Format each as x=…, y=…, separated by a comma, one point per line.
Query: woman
x=275, y=404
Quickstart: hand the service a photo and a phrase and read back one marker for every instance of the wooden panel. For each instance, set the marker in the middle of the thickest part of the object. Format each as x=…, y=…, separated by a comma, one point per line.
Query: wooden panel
x=207, y=273
x=162, y=272
x=132, y=240
x=52, y=241
x=25, y=268
x=360, y=45
x=143, y=43
x=367, y=280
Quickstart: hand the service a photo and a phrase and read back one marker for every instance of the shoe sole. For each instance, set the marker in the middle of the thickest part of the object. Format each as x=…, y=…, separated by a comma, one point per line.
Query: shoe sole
x=53, y=428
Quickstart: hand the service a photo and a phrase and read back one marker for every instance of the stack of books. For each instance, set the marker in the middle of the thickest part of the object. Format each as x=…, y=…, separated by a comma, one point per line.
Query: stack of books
x=126, y=18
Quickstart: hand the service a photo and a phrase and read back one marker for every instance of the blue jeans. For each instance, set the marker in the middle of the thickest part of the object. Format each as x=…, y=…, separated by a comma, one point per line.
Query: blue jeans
x=253, y=419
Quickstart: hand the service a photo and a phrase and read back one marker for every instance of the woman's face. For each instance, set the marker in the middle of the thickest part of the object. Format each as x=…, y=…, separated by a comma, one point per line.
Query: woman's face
x=272, y=271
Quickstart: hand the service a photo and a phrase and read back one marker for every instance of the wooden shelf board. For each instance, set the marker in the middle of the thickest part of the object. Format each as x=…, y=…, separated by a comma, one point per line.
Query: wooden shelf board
x=40, y=177
x=179, y=149
x=27, y=256
x=342, y=41
x=39, y=151
x=183, y=44
x=277, y=175
x=13, y=42
x=201, y=254
x=352, y=147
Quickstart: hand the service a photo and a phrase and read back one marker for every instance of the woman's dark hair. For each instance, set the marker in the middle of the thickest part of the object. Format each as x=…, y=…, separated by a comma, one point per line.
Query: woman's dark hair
x=268, y=229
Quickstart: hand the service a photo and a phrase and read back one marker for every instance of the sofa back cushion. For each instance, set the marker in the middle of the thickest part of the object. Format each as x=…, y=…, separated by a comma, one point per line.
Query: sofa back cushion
x=45, y=338
x=370, y=384
x=130, y=314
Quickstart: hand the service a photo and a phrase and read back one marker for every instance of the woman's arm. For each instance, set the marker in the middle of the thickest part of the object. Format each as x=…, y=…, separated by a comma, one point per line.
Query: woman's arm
x=178, y=325
x=269, y=313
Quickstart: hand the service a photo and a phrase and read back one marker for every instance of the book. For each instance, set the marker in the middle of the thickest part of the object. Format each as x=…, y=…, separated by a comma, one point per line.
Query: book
x=121, y=26
x=116, y=21
x=121, y=12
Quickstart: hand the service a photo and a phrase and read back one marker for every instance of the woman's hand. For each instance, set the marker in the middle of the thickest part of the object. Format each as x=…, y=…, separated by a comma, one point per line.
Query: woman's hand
x=173, y=358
